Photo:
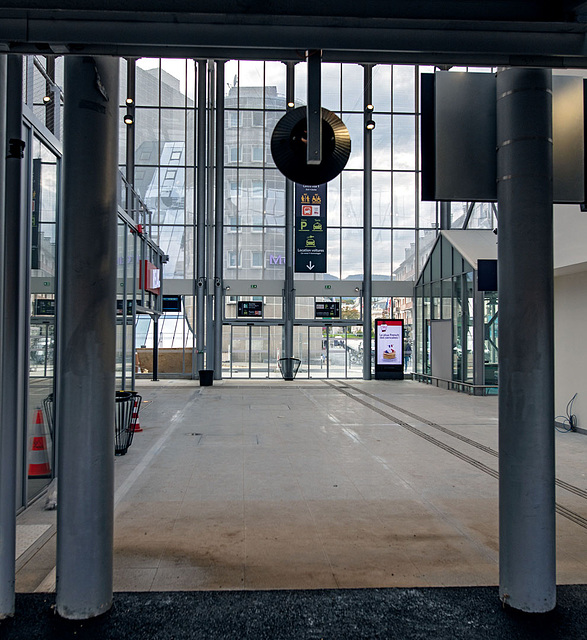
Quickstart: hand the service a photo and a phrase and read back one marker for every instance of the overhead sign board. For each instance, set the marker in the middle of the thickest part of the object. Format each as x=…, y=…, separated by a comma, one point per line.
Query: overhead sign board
x=249, y=309
x=389, y=348
x=310, y=221
x=458, y=141
x=327, y=309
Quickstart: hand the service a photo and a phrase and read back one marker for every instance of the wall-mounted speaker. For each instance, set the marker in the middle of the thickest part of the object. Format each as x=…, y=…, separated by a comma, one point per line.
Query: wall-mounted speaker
x=289, y=147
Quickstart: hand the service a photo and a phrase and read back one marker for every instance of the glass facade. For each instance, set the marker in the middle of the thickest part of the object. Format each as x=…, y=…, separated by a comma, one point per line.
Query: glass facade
x=404, y=227
x=447, y=291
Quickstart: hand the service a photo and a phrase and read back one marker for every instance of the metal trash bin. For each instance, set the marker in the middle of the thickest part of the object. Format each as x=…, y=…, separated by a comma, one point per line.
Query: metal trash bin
x=206, y=377
x=123, y=432
x=289, y=367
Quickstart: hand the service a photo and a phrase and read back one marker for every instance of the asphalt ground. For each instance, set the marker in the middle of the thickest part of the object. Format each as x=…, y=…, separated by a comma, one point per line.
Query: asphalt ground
x=452, y=612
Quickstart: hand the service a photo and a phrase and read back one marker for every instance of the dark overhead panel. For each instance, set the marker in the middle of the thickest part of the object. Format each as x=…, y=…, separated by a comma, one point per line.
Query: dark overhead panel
x=482, y=32
x=289, y=147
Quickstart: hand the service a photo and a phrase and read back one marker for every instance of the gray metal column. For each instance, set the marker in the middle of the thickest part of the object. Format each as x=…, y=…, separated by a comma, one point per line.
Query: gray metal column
x=201, y=218
x=219, y=223
x=12, y=338
x=367, y=219
x=526, y=338
x=210, y=218
x=445, y=215
x=86, y=322
x=289, y=298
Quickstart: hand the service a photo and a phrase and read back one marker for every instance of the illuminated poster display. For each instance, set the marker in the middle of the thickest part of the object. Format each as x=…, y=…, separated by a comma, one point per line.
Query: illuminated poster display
x=389, y=348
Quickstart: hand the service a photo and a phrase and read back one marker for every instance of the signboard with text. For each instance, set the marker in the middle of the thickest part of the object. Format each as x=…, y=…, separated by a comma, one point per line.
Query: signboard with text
x=249, y=309
x=149, y=277
x=310, y=221
x=389, y=348
x=327, y=309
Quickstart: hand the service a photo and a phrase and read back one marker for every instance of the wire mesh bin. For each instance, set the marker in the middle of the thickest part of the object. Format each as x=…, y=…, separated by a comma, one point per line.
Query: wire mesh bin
x=126, y=417
x=289, y=367
x=123, y=428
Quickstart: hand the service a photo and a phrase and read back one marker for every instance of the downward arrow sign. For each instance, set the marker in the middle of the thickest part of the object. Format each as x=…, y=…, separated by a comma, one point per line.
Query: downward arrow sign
x=310, y=265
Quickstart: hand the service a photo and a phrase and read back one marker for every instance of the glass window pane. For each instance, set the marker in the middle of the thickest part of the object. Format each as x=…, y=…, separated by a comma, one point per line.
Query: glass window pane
x=275, y=79
x=428, y=215
x=404, y=88
x=381, y=136
x=404, y=142
x=173, y=83
x=352, y=198
x=274, y=198
x=404, y=199
x=352, y=87
x=333, y=202
x=381, y=256
x=382, y=88
x=146, y=136
x=381, y=205
x=404, y=253
x=172, y=130
x=352, y=254
x=231, y=79
x=251, y=84
x=333, y=253
x=331, y=86
x=301, y=83
x=354, y=123
x=147, y=82
x=271, y=119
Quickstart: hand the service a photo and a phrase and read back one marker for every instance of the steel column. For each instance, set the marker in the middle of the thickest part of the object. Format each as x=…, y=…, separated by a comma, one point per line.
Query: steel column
x=219, y=223
x=314, y=108
x=13, y=232
x=367, y=219
x=289, y=299
x=526, y=340
x=201, y=218
x=86, y=320
x=210, y=218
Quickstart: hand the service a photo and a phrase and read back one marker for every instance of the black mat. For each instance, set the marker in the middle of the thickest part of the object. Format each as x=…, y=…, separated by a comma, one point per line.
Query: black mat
x=399, y=614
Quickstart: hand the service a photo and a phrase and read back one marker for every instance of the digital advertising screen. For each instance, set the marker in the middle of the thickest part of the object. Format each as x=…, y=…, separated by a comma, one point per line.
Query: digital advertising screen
x=389, y=347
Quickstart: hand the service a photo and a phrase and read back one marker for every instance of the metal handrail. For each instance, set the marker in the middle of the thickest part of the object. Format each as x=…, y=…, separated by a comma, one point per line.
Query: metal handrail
x=471, y=388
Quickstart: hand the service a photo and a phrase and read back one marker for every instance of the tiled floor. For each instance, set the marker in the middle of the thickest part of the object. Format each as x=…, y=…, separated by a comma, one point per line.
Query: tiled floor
x=315, y=484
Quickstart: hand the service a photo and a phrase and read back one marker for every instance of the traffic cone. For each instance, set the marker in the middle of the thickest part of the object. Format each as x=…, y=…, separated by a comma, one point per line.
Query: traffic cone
x=135, y=415
x=39, y=466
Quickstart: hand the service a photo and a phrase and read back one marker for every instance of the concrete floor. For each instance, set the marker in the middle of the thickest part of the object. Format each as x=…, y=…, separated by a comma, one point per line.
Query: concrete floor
x=263, y=485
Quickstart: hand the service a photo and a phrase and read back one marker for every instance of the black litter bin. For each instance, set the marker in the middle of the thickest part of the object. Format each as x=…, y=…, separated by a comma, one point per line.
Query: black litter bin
x=206, y=377
x=289, y=367
x=123, y=431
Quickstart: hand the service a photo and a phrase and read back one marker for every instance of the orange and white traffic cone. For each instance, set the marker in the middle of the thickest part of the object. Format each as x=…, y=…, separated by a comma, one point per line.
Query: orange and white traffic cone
x=135, y=416
x=39, y=466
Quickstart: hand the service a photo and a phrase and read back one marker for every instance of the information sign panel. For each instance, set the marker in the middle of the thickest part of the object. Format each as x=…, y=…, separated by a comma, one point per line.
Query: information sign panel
x=389, y=348
x=249, y=309
x=327, y=309
x=310, y=221
x=171, y=303
x=44, y=307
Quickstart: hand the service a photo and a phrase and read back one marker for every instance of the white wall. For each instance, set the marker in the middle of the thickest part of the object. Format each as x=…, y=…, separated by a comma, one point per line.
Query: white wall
x=570, y=325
